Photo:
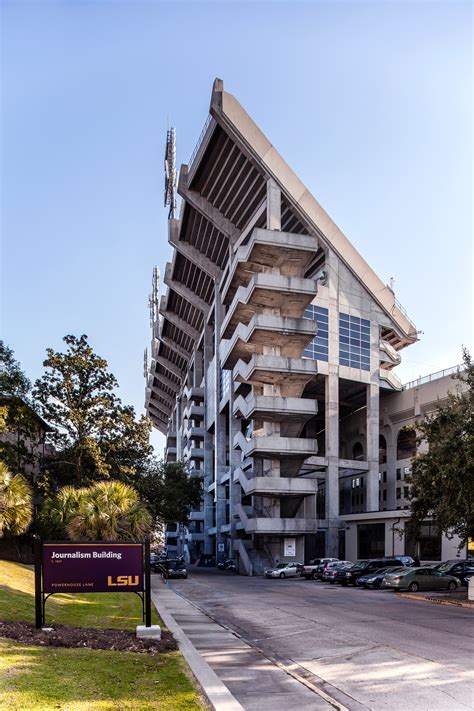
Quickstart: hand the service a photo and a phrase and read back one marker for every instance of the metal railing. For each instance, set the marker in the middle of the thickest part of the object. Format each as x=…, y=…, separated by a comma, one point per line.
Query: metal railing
x=433, y=376
x=200, y=140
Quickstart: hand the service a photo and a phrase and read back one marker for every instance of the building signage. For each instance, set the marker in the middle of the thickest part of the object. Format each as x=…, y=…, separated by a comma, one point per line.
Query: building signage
x=220, y=547
x=92, y=567
x=289, y=547
x=104, y=566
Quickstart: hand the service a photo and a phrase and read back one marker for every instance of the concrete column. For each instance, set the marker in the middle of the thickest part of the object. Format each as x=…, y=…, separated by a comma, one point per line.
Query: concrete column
x=372, y=488
x=332, y=409
x=208, y=451
x=373, y=421
x=273, y=205
x=332, y=454
x=220, y=441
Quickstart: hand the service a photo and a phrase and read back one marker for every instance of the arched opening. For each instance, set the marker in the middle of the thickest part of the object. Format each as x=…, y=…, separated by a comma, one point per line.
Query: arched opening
x=406, y=443
x=382, y=450
x=358, y=452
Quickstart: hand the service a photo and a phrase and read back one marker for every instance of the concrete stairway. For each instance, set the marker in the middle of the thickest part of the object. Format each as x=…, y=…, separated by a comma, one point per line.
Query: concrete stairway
x=260, y=561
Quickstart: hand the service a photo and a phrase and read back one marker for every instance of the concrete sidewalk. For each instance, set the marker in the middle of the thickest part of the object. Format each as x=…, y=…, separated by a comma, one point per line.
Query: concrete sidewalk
x=224, y=662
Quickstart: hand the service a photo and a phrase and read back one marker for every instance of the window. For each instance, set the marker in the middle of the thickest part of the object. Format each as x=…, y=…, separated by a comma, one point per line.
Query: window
x=318, y=348
x=405, y=492
x=384, y=477
x=354, y=341
x=371, y=540
x=225, y=382
x=428, y=544
x=406, y=443
x=382, y=450
x=399, y=474
x=358, y=452
x=384, y=495
x=399, y=493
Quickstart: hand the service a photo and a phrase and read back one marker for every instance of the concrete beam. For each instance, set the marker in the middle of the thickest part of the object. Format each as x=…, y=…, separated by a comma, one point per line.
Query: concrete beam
x=158, y=410
x=163, y=380
x=171, y=367
x=189, y=251
x=180, y=323
x=185, y=292
x=205, y=208
x=175, y=347
x=164, y=396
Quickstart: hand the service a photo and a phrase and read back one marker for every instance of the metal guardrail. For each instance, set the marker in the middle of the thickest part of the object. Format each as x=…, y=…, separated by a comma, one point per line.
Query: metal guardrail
x=199, y=142
x=433, y=376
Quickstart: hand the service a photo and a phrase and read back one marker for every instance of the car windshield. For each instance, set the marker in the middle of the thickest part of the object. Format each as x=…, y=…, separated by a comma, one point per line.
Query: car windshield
x=360, y=565
x=280, y=566
x=443, y=567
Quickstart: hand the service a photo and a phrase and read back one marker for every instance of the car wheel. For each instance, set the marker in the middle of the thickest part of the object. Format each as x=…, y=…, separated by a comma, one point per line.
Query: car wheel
x=377, y=586
x=452, y=585
x=282, y=575
x=314, y=576
x=413, y=587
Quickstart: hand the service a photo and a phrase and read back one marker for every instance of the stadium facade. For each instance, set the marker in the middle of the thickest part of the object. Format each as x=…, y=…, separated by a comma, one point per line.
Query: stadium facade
x=272, y=371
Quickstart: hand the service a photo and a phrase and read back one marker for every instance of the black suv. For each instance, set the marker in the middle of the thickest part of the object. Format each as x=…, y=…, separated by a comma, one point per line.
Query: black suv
x=349, y=576
x=462, y=569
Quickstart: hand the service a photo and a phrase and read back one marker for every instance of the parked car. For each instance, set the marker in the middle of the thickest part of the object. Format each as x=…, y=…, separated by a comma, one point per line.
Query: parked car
x=462, y=569
x=409, y=561
x=363, y=567
x=174, y=568
x=228, y=564
x=323, y=567
x=310, y=571
x=284, y=570
x=425, y=578
x=374, y=580
x=329, y=575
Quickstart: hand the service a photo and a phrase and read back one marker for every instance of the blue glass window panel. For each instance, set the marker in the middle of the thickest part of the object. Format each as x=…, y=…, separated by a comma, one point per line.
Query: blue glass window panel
x=354, y=341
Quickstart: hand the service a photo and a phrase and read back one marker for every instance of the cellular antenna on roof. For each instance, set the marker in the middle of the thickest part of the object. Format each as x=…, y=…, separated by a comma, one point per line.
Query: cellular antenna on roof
x=170, y=172
x=153, y=298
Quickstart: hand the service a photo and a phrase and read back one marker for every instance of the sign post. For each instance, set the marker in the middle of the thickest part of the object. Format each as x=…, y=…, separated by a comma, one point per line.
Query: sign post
x=102, y=566
x=147, y=584
x=38, y=586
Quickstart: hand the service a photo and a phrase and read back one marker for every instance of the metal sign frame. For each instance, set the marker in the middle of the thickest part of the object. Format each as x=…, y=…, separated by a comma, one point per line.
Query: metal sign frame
x=41, y=596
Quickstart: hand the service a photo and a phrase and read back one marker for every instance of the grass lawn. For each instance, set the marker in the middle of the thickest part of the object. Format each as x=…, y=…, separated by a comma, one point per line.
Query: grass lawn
x=34, y=678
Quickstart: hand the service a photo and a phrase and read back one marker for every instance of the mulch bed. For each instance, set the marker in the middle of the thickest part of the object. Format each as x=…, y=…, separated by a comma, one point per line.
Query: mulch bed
x=87, y=638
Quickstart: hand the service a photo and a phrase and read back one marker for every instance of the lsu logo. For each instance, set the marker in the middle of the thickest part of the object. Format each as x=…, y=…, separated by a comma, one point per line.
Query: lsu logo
x=129, y=580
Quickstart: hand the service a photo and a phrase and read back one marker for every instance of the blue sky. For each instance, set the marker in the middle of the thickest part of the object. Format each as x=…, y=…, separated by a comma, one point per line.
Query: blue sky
x=369, y=102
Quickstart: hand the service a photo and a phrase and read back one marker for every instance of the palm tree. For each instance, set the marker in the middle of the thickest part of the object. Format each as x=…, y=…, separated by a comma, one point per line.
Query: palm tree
x=108, y=510
x=59, y=510
x=16, y=507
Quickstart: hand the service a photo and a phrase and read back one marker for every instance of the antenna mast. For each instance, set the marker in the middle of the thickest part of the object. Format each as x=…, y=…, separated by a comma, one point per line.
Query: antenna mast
x=170, y=172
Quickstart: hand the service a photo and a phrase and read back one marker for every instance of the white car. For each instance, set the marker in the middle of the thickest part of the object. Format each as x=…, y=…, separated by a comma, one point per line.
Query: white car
x=284, y=570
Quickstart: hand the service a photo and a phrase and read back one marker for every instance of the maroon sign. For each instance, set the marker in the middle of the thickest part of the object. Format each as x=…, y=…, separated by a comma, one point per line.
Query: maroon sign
x=92, y=567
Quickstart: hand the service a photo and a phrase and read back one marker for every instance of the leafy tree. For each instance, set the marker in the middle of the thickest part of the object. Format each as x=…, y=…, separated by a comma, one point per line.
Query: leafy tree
x=20, y=449
x=168, y=491
x=442, y=478
x=107, y=510
x=13, y=381
x=15, y=503
x=96, y=435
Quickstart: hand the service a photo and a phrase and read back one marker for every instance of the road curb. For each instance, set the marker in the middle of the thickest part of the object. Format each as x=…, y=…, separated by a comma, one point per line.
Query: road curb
x=215, y=691
x=436, y=601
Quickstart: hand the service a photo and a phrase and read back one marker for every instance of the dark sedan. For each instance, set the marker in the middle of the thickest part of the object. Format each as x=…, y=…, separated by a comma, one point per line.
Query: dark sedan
x=461, y=569
x=364, y=567
x=174, y=569
x=374, y=580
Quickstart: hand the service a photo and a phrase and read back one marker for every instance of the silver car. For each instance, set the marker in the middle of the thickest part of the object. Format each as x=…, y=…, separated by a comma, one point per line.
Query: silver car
x=284, y=570
x=414, y=579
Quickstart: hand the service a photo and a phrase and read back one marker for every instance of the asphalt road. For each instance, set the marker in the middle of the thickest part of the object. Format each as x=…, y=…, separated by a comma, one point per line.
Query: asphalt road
x=366, y=649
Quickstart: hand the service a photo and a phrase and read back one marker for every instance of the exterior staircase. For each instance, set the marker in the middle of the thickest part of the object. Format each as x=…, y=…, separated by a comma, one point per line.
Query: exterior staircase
x=260, y=561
